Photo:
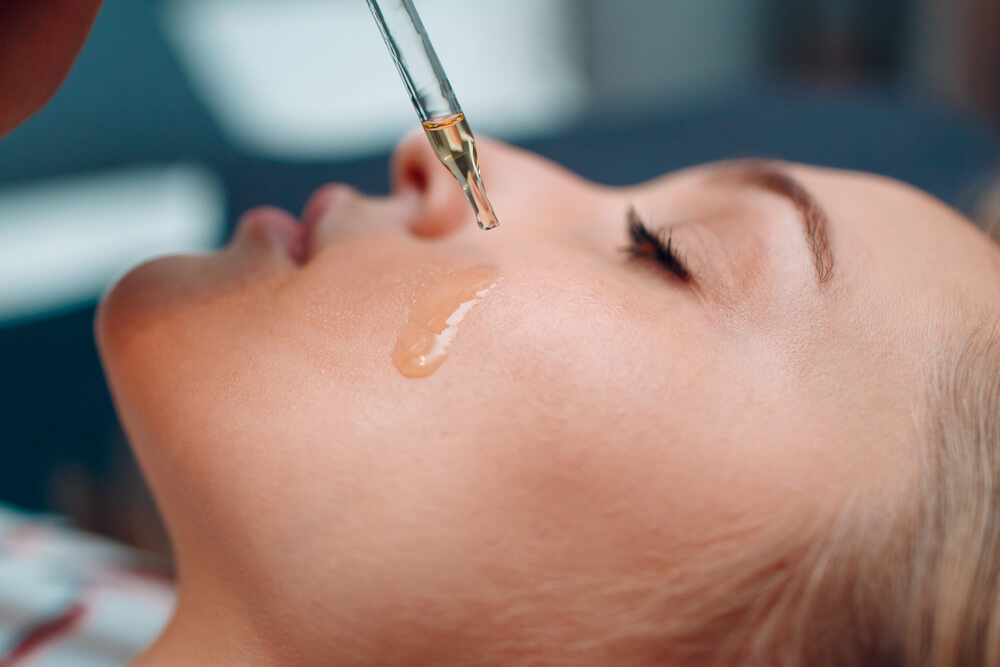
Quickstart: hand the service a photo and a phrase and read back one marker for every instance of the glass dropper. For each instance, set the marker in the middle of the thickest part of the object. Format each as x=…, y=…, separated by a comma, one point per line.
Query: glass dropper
x=430, y=91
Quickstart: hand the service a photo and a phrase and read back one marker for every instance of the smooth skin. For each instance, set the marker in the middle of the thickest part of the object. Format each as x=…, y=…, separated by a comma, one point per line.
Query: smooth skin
x=597, y=420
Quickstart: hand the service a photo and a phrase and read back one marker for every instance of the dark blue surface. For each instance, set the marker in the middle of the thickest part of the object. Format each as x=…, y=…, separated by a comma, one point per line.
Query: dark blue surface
x=126, y=101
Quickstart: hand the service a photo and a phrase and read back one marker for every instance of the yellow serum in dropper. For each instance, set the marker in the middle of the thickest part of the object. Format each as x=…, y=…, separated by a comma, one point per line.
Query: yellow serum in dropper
x=455, y=146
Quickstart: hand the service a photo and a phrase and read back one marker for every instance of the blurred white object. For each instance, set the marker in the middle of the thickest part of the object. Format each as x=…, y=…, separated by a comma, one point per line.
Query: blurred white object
x=68, y=599
x=311, y=79
x=62, y=242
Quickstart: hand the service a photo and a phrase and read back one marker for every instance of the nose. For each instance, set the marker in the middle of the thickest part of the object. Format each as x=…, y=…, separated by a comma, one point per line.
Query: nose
x=443, y=208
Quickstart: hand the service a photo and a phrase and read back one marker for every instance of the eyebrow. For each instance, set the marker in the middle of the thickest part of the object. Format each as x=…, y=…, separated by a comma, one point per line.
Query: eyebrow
x=815, y=222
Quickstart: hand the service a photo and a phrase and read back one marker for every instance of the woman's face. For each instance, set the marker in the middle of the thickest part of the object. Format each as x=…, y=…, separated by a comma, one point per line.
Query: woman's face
x=595, y=412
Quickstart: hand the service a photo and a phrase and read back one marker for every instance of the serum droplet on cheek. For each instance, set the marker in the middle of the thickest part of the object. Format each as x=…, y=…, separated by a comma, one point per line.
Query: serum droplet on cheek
x=433, y=324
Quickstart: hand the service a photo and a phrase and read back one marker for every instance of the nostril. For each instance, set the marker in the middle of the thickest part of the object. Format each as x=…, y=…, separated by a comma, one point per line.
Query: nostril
x=411, y=161
x=441, y=203
x=415, y=176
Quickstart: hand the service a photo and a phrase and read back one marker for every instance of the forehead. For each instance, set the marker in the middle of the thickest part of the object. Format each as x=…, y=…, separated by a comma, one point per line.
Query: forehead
x=896, y=240
x=907, y=268
x=884, y=233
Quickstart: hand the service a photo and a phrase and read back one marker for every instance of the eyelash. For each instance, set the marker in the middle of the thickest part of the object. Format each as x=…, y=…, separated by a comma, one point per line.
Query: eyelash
x=647, y=244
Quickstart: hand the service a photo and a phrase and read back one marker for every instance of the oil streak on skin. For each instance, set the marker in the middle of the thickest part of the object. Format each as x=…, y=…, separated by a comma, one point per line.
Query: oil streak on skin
x=429, y=332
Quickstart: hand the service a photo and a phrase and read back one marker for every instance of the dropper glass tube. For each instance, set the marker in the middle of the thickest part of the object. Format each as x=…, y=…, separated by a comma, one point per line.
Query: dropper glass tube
x=430, y=91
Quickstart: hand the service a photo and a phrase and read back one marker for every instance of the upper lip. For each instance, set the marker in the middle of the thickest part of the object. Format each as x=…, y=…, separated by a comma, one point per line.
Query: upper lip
x=316, y=206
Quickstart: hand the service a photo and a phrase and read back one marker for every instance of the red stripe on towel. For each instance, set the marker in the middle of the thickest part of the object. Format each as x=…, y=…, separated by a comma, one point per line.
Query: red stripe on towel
x=45, y=633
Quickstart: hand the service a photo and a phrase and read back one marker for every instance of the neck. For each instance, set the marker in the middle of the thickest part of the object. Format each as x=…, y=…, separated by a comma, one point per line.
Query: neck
x=206, y=633
x=213, y=626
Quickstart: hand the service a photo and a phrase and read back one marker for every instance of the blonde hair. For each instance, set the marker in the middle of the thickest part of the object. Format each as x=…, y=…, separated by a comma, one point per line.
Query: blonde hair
x=918, y=586
x=912, y=585
x=952, y=609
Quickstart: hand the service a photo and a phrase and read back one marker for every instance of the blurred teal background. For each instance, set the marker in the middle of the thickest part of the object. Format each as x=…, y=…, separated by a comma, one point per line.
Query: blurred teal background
x=180, y=114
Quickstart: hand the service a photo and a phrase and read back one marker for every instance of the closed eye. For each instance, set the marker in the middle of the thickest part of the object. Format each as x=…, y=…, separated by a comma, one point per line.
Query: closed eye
x=658, y=246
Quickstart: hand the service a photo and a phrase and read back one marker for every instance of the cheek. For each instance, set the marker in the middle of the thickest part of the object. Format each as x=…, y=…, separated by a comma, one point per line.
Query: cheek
x=611, y=421
x=557, y=373
x=586, y=435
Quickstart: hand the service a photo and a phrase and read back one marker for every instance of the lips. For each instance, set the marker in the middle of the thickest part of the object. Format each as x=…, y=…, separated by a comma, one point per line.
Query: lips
x=275, y=228
x=333, y=211
x=317, y=204
x=316, y=208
